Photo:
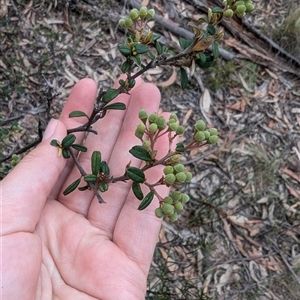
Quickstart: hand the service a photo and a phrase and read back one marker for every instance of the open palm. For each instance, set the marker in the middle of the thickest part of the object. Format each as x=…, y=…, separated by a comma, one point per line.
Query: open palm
x=72, y=247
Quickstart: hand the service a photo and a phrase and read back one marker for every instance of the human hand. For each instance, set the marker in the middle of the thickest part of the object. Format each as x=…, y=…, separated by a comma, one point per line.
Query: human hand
x=72, y=247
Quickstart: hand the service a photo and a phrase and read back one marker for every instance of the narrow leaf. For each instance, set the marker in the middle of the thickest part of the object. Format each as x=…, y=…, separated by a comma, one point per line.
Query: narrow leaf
x=90, y=178
x=103, y=187
x=138, y=193
x=126, y=66
x=104, y=168
x=158, y=48
x=184, y=43
x=68, y=140
x=77, y=113
x=211, y=29
x=140, y=153
x=66, y=153
x=135, y=174
x=79, y=147
x=136, y=59
x=110, y=95
x=146, y=201
x=184, y=78
x=215, y=49
x=117, y=105
x=72, y=187
x=96, y=162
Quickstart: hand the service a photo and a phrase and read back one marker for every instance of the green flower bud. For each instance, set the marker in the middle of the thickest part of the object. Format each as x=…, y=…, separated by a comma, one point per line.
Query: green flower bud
x=170, y=179
x=168, y=170
x=134, y=14
x=173, y=126
x=122, y=22
x=206, y=134
x=168, y=199
x=189, y=176
x=161, y=123
x=213, y=139
x=139, y=132
x=180, y=130
x=179, y=168
x=240, y=15
x=240, y=9
x=143, y=115
x=143, y=12
x=150, y=14
x=178, y=206
x=249, y=7
x=213, y=131
x=159, y=213
x=152, y=118
x=185, y=198
x=167, y=209
x=199, y=136
x=146, y=144
x=153, y=128
x=173, y=217
x=128, y=22
x=228, y=13
x=181, y=177
x=200, y=125
x=176, y=195
x=173, y=117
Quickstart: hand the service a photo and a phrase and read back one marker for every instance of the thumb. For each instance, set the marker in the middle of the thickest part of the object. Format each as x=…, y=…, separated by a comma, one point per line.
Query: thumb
x=26, y=188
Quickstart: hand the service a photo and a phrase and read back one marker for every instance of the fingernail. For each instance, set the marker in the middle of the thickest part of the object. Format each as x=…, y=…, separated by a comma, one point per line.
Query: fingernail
x=50, y=129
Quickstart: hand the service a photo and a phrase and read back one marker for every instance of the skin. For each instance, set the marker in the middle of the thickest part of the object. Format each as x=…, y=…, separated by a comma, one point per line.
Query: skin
x=72, y=247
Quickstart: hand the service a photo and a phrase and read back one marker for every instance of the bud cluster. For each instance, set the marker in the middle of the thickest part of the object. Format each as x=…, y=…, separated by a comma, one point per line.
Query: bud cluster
x=143, y=14
x=238, y=8
x=171, y=205
x=154, y=124
x=201, y=134
x=176, y=174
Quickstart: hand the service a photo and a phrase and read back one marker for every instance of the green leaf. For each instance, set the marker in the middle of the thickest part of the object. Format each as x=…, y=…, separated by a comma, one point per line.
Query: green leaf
x=66, y=153
x=117, y=105
x=146, y=201
x=110, y=95
x=165, y=49
x=72, y=187
x=136, y=59
x=202, y=20
x=202, y=57
x=68, y=140
x=79, y=147
x=126, y=66
x=149, y=53
x=90, y=178
x=158, y=48
x=140, y=153
x=54, y=143
x=137, y=191
x=83, y=188
x=184, y=43
x=155, y=37
x=208, y=63
x=77, y=113
x=103, y=187
x=179, y=147
x=141, y=49
x=135, y=174
x=184, y=78
x=96, y=162
x=211, y=29
x=125, y=50
x=104, y=168
x=217, y=10
x=215, y=49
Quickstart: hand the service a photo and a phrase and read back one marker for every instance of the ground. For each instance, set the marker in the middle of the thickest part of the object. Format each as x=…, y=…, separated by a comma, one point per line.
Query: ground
x=239, y=237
